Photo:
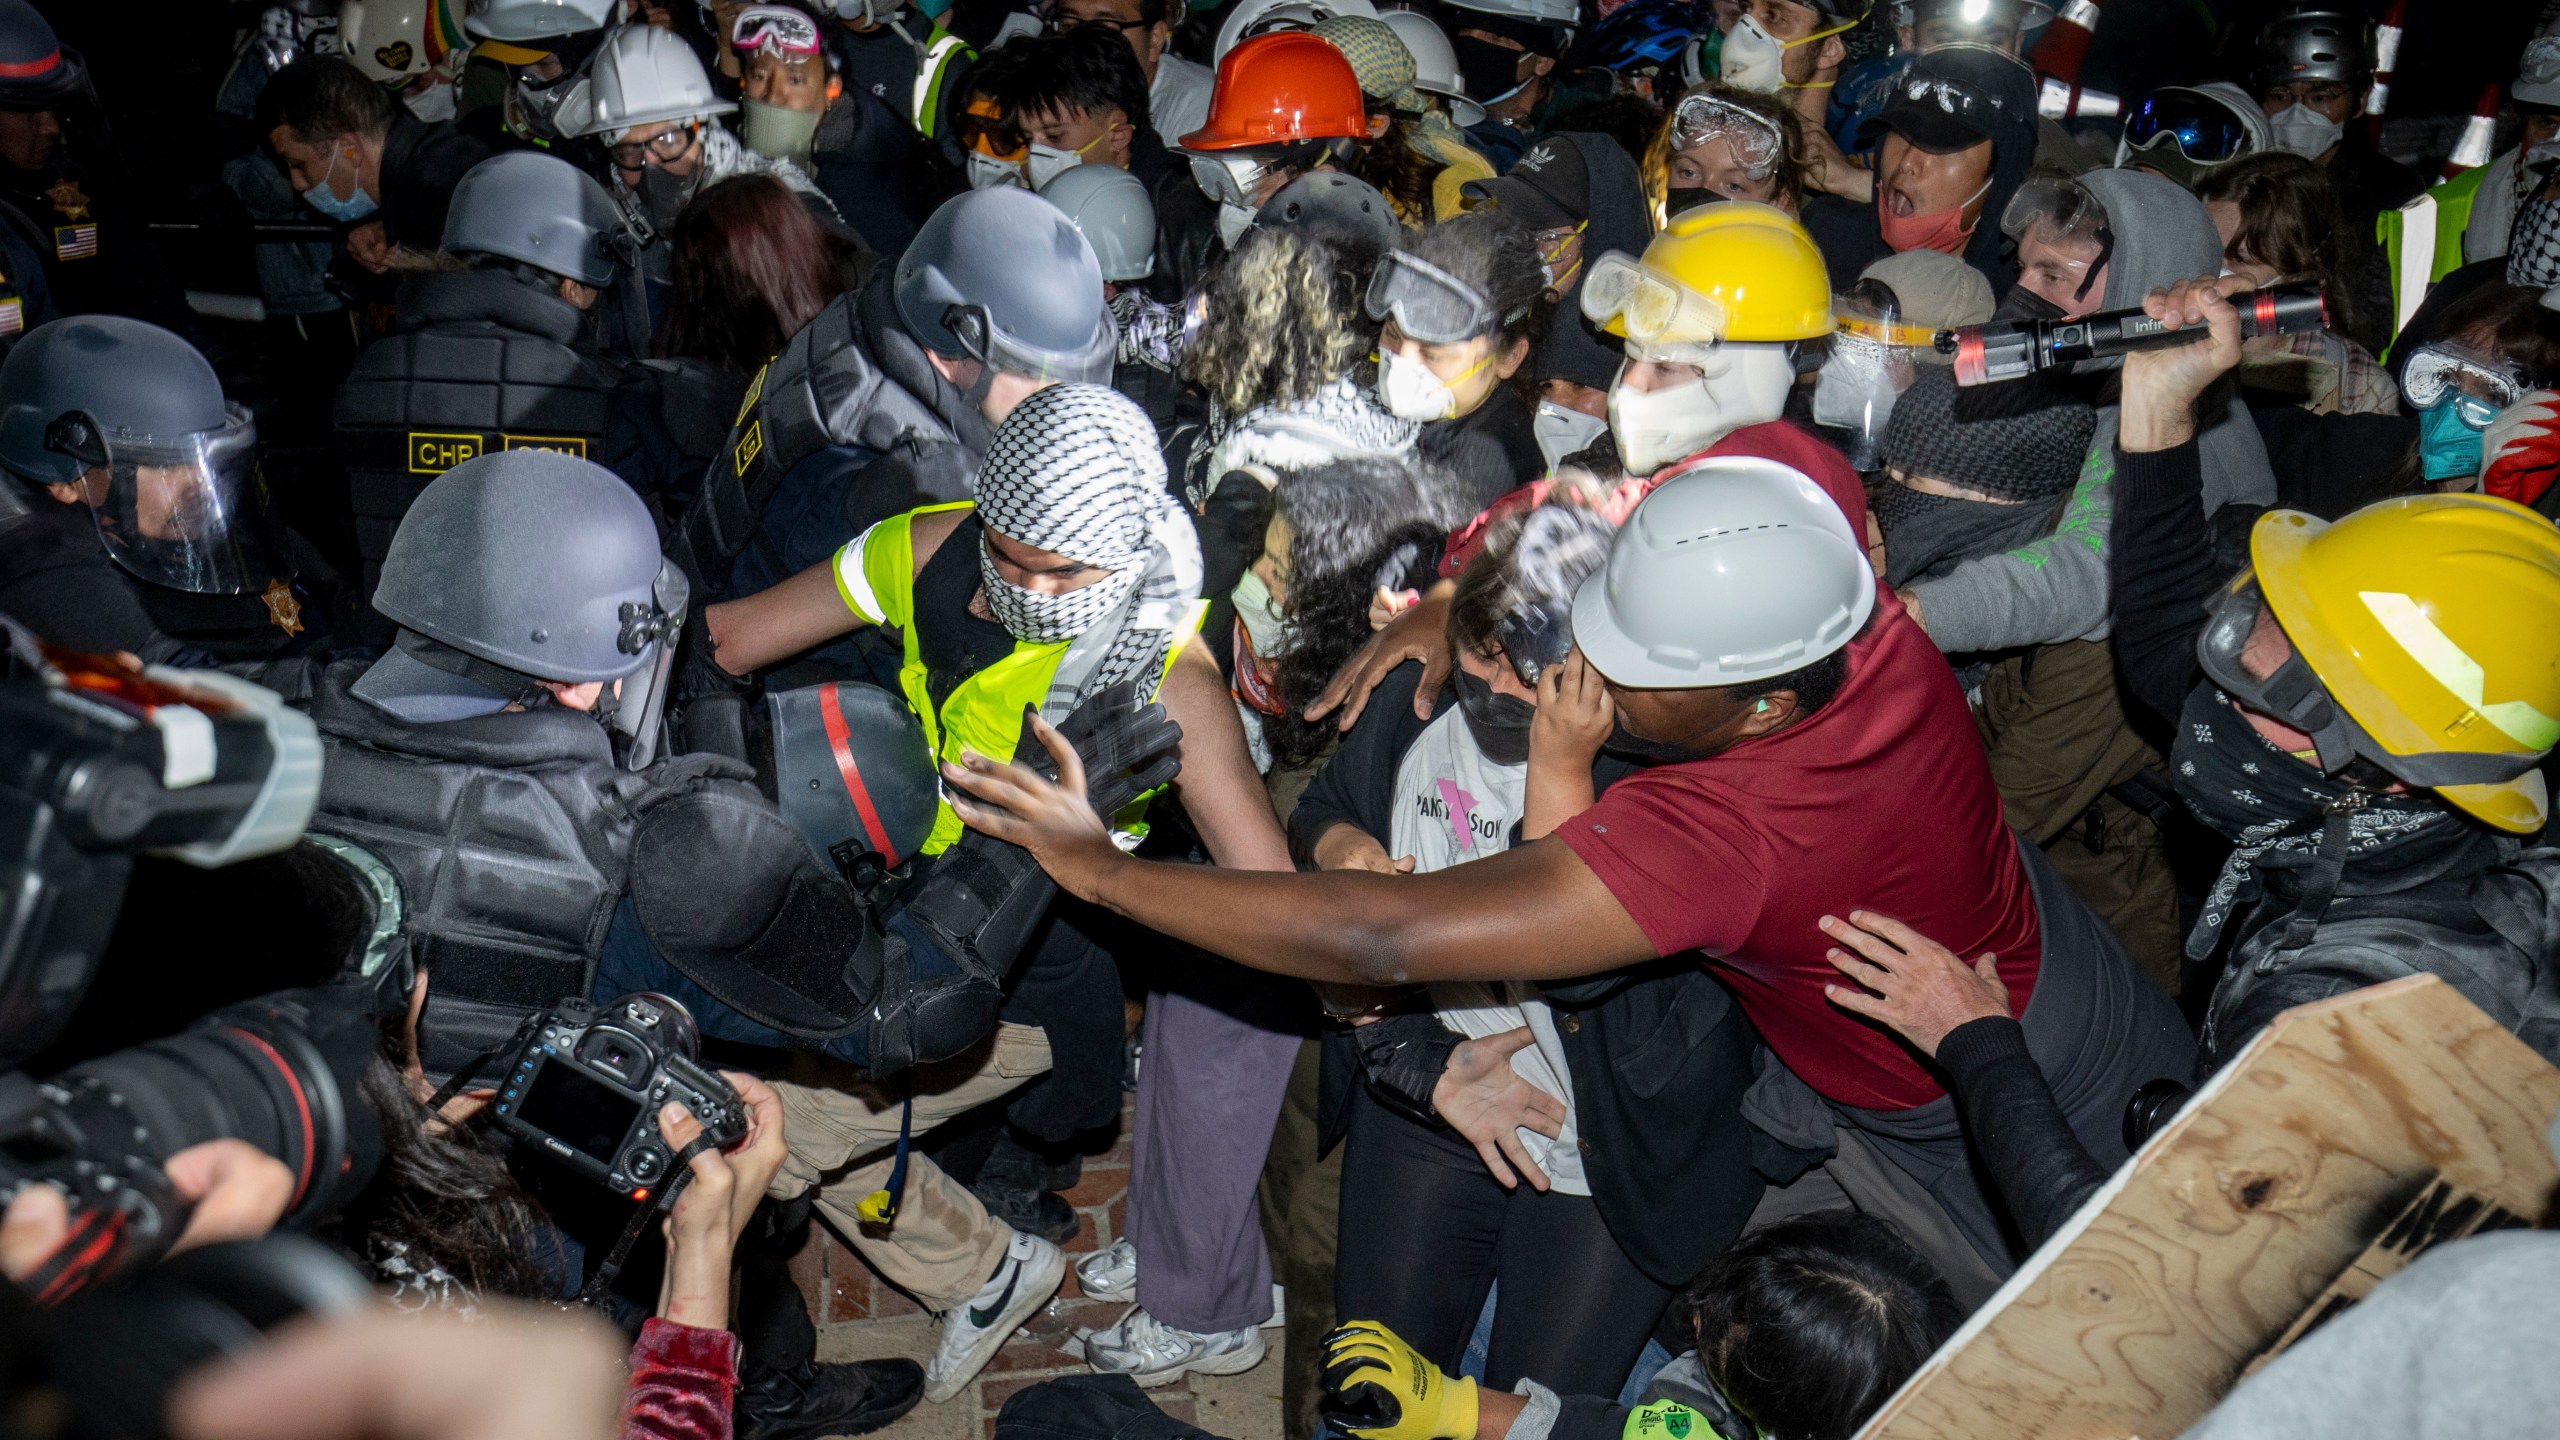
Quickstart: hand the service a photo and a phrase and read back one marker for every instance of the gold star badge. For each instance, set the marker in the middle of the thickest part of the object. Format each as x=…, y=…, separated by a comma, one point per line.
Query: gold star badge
x=282, y=608
x=68, y=198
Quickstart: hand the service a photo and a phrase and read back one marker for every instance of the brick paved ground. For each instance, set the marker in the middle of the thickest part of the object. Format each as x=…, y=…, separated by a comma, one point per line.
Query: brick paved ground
x=861, y=1317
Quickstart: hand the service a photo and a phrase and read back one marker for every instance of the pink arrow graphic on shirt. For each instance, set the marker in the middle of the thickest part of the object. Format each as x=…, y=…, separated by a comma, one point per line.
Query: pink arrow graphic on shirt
x=1462, y=815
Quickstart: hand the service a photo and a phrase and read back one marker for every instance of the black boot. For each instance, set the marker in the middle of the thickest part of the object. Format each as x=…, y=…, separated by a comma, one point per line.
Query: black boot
x=1033, y=1212
x=814, y=1400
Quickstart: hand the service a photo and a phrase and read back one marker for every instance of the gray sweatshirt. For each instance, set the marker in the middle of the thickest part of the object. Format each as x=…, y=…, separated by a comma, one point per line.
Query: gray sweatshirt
x=2055, y=589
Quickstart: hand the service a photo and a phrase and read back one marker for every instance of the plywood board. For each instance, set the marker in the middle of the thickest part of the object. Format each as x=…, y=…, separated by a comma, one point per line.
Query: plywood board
x=2239, y=1216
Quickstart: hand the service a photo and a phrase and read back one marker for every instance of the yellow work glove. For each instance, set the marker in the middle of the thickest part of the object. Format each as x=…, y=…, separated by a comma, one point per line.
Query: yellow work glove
x=1379, y=1388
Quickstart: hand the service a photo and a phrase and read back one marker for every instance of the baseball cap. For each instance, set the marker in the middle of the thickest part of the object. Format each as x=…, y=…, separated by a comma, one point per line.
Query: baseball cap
x=1547, y=188
x=1952, y=98
x=1935, y=290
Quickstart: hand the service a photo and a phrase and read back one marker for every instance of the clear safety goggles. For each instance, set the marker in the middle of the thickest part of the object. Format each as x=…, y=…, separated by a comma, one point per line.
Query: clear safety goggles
x=775, y=30
x=666, y=145
x=1650, y=306
x=2063, y=203
x=2294, y=695
x=1231, y=176
x=1427, y=302
x=2203, y=128
x=2480, y=384
x=1754, y=137
x=186, y=511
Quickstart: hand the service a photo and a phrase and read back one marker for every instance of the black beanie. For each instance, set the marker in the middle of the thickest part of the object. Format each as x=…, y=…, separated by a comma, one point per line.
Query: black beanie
x=2021, y=440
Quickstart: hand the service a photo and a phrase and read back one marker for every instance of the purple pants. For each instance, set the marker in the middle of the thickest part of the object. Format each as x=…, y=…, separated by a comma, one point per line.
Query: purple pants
x=1217, y=1057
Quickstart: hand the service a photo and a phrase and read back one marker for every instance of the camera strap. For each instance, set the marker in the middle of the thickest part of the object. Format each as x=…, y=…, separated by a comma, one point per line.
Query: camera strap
x=880, y=1207
x=659, y=1203
x=471, y=1068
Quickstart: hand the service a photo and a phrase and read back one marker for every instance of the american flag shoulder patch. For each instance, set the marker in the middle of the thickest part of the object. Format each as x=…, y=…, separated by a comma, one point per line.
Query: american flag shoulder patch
x=74, y=242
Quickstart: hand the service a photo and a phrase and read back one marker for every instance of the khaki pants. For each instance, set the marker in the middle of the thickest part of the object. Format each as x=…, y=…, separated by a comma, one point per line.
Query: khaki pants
x=843, y=1134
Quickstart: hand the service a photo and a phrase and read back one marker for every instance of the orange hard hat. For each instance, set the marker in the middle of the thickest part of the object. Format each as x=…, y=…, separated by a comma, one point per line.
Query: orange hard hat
x=1277, y=89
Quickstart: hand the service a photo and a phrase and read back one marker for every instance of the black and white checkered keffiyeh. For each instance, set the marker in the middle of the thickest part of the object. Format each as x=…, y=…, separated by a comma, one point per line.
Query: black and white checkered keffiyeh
x=1074, y=469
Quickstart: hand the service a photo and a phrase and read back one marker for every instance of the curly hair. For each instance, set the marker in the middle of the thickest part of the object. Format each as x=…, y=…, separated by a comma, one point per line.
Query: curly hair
x=1350, y=521
x=1790, y=171
x=1280, y=320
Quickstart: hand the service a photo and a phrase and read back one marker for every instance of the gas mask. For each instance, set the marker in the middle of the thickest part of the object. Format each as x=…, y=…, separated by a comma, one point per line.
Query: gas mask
x=538, y=103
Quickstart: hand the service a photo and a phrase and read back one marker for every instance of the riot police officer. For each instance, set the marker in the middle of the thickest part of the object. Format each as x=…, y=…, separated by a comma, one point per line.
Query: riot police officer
x=133, y=515
x=492, y=357
x=59, y=200
x=885, y=400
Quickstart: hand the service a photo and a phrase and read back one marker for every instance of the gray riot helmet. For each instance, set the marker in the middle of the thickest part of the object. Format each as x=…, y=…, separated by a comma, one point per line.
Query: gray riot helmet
x=543, y=211
x=2315, y=42
x=1110, y=208
x=519, y=567
x=1328, y=202
x=136, y=418
x=853, y=774
x=1003, y=277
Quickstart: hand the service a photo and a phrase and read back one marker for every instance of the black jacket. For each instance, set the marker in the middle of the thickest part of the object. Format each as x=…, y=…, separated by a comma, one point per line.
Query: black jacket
x=421, y=163
x=1660, y=1055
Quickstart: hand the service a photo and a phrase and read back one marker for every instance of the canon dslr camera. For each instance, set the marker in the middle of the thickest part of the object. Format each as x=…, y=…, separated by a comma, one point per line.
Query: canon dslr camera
x=587, y=1085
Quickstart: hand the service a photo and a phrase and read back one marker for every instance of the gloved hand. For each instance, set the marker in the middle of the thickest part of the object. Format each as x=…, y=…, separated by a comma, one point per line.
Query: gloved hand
x=1379, y=1388
x=1128, y=749
x=2522, y=448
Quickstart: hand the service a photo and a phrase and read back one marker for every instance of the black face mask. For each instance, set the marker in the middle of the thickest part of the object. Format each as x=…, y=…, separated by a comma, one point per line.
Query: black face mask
x=1491, y=71
x=1925, y=533
x=1680, y=199
x=2022, y=303
x=1498, y=723
x=1628, y=745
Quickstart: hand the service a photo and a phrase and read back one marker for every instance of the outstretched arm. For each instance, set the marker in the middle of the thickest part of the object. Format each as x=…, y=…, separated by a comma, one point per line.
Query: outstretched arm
x=1536, y=912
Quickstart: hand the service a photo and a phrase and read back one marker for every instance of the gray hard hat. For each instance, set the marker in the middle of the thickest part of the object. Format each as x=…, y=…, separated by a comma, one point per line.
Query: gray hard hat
x=541, y=210
x=2315, y=42
x=1327, y=202
x=1002, y=276
x=1734, y=570
x=1111, y=208
x=534, y=564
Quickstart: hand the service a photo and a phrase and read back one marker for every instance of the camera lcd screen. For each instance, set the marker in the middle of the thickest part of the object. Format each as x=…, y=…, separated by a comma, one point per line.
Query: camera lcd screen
x=578, y=1110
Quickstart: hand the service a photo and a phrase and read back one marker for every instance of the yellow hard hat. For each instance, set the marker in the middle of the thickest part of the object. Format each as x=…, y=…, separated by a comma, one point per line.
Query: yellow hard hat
x=1736, y=271
x=2434, y=621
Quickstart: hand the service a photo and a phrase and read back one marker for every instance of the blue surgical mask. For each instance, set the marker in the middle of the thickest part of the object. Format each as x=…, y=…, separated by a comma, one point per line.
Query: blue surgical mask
x=347, y=211
x=2449, y=438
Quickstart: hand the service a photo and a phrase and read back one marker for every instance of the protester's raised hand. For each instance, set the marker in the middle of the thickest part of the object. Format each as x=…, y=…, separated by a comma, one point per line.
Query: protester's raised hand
x=1419, y=631
x=1049, y=818
x=2161, y=386
x=1912, y=984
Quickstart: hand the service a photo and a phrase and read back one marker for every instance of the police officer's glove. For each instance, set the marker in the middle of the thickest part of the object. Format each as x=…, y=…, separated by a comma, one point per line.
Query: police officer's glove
x=984, y=895
x=707, y=706
x=1376, y=1387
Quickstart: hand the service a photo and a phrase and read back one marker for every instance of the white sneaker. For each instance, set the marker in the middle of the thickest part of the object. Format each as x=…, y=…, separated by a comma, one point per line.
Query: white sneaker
x=1153, y=1353
x=1031, y=1272
x=1279, y=1307
x=1110, y=1273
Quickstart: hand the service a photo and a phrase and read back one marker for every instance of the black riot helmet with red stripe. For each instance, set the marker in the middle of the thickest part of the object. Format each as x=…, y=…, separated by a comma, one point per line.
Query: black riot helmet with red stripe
x=853, y=774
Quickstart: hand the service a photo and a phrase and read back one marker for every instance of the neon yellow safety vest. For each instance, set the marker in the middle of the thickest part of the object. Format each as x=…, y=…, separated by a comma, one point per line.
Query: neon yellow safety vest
x=875, y=576
x=945, y=54
x=2423, y=241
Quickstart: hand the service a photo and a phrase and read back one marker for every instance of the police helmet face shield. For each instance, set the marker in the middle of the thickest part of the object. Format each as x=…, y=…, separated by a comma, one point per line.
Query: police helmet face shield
x=649, y=631
x=1652, y=307
x=188, y=511
x=2480, y=383
x=1427, y=303
x=1754, y=138
x=2203, y=128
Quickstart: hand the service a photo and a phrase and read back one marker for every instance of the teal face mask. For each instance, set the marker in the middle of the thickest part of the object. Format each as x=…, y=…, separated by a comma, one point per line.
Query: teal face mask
x=2449, y=437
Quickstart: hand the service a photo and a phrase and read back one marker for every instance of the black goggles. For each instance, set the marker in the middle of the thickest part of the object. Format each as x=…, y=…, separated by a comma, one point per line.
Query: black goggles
x=2294, y=695
x=2204, y=129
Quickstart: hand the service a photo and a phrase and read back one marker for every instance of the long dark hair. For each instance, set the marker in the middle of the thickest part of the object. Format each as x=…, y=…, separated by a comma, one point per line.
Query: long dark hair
x=1392, y=164
x=1808, y=1325
x=751, y=267
x=1348, y=521
x=2289, y=220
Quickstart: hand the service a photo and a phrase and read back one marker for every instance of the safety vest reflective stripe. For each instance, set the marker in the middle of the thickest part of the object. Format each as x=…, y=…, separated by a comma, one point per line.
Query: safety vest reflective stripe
x=941, y=52
x=2414, y=270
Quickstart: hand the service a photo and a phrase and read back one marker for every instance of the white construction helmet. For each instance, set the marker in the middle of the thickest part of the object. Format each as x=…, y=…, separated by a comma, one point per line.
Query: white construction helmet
x=528, y=20
x=1564, y=14
x=1736, y=569
x=1261, y=17
x=396, y=41
x=1109, y=206
x=1435, y=63
x=641, y=75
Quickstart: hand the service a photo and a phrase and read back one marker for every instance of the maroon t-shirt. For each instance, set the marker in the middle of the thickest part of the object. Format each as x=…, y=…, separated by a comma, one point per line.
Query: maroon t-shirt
x=1882, y=800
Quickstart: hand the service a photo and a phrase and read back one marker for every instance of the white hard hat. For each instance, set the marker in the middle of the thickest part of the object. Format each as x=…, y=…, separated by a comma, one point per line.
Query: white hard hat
x=1736, y=569
x=1435, y=64
x=643, y=74
x=509, y=20
x=1110, y=208
x=1256, y=17
x=1565, y=13
x=395, y=41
